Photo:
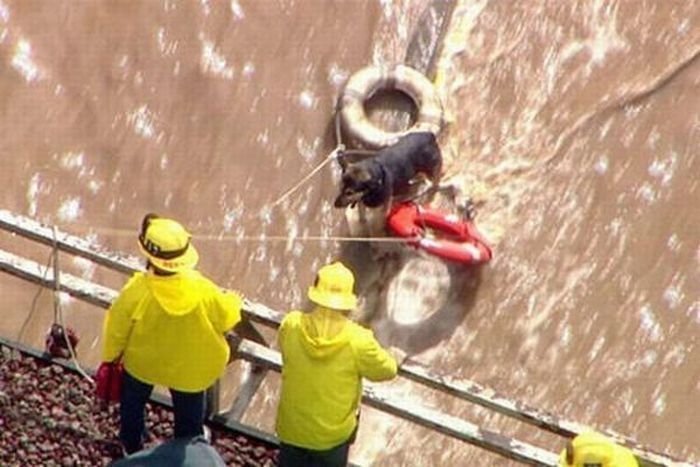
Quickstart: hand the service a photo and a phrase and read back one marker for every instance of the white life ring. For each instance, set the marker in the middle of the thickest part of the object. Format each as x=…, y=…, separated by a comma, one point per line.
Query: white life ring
x=366, y=82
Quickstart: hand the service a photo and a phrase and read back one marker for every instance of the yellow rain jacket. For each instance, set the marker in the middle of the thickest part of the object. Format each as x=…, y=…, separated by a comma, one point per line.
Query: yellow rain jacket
x=593, y=448
x=170, y=329
x=325, y=356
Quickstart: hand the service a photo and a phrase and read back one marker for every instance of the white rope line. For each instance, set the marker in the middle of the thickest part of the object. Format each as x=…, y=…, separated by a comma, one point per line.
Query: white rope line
x=286, y=194
x=58, y=311
x=305, y=238
x=254, y=238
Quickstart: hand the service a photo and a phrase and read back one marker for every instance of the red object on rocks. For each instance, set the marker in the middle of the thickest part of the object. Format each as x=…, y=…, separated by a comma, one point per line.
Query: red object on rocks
x=56, y=344
x=109, y=381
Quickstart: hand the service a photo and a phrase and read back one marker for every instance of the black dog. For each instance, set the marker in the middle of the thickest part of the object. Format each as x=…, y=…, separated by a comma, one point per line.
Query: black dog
x=373, y=181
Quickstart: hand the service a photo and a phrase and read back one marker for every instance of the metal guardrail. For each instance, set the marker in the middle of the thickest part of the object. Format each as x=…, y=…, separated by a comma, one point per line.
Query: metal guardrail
x=373, y=396
x=257, y=354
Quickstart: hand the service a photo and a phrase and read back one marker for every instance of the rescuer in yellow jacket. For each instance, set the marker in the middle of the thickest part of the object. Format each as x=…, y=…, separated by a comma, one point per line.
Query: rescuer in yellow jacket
x=593, y=449
x=324, y=358
x=167, y=325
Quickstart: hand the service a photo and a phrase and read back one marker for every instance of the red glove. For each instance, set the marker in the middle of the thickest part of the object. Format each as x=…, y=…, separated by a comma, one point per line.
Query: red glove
x=109, y=381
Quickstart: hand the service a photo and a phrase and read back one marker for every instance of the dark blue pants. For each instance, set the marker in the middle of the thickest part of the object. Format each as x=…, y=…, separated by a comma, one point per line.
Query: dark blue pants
x=293, y=456
x=188, y=408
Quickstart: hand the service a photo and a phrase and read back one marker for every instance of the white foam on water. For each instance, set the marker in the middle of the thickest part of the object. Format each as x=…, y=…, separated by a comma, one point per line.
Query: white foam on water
x=566, y=335
x=659, y=405
x=595, y=350
x=206, y=8
x=647, y=193
x=214, y=63
x=95, y=186
x=4, y=12
x=387, y=7
x=626, y=399
x=260, y=253
x=605, y=129
x=649, y=358
x=248, y=70
x=231, y=216
x=649, y=324
x=143, y=122
x=663, y=169
x=292, y=231
x=673, y=296
x=694, y=311
x=308, y=100
x=70, y=209
x=602, y=164
x=237, y=10
x=337, y=76
x=72, y=160
x=263, y=137
x=653, y=138
x=33, y=190
x=606, y=38
x=166, y=47
x=273, y=273
x=675, y=356
x=265, y=215
x=298, y=248
x=23, y=63
x=674, y=243
x=307, y=149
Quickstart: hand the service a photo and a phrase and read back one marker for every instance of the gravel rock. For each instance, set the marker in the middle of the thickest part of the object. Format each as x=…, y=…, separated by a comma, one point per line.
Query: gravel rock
x=49, y=416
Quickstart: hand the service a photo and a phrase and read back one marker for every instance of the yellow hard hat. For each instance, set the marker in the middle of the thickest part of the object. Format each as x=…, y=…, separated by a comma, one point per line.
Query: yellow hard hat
x=167, y=246
x=334, y=287
x=593, y=449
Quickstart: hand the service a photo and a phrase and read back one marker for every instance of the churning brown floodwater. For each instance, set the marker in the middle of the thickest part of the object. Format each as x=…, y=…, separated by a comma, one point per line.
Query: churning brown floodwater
x=574, y=125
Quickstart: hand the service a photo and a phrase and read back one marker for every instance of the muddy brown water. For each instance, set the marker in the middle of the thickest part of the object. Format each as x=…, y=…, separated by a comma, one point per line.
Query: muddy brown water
x=574, y=126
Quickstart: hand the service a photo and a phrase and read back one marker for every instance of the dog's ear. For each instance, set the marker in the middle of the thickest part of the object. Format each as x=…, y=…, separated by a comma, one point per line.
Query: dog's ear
x=340, y=201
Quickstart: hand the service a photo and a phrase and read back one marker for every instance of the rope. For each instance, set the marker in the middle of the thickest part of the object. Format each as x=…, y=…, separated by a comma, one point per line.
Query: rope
x=32, y=308
x=332, y=155
x=340, y=148
x=58, y=311
x=253, y=238
x=308, y=238
x=338, y=130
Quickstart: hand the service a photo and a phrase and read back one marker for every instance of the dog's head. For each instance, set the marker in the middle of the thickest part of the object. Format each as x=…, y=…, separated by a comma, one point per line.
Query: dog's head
x=355, y=183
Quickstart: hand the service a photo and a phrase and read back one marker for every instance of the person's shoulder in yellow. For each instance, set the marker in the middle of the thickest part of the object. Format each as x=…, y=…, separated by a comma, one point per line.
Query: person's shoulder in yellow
x=327, y=329
x=591, y=449
x=186, y=288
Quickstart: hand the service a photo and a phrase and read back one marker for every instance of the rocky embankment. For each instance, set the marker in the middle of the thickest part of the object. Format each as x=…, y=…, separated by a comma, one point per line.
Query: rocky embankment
x=49, y=417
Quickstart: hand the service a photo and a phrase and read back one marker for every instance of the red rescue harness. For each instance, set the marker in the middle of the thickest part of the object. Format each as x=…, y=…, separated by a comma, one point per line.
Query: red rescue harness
x=458, y=239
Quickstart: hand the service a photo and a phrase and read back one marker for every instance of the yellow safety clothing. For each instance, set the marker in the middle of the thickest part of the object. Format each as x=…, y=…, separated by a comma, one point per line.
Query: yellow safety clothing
x=591, y=448
x=167, y=246
x=325, y=356
x=170, y=329
x=333, y=287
